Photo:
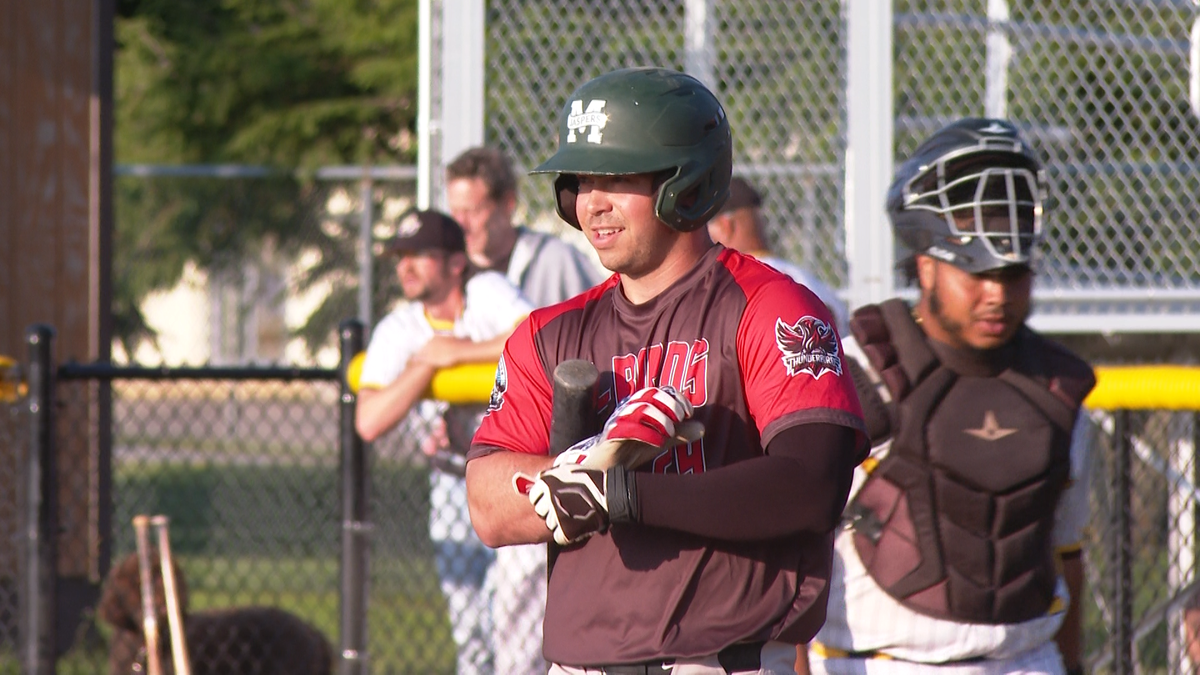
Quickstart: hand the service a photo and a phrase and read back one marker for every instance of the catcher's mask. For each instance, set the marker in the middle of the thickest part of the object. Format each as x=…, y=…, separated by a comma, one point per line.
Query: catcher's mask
x=972, y=195
x=646, y=121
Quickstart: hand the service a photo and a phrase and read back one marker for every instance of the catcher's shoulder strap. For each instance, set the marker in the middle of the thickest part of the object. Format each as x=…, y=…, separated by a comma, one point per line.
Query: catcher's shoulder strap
x=894, y=346
x=1056, y=369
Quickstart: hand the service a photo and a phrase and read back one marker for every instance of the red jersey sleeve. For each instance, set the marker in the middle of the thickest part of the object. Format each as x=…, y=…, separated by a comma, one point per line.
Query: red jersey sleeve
x=792, y=361
x=518, y=414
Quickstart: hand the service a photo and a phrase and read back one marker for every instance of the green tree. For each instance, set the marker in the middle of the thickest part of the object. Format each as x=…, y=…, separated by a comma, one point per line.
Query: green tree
x=288, y=84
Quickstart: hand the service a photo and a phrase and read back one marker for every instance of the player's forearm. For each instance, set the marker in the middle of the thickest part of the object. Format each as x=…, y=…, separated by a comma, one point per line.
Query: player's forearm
x=379, y=410
x=500, y=515
x=1070, y=635
x=800, y=487
x=480, y=352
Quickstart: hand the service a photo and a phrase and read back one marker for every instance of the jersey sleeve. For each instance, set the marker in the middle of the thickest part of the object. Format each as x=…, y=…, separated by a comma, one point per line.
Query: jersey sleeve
x=1072, y=515
x=792, y=361
x=518, y=413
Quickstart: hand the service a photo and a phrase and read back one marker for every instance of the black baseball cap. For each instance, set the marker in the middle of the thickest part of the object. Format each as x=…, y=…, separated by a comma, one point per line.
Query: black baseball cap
x=427, y=231
x=741, y=195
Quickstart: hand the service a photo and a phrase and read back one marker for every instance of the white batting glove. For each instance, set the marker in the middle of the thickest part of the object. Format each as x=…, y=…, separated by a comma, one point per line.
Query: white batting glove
x=572, y=500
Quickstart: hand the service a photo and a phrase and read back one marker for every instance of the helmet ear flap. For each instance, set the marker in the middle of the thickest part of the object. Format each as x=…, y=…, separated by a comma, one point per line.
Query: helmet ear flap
x=695, y=194
x=566, y=192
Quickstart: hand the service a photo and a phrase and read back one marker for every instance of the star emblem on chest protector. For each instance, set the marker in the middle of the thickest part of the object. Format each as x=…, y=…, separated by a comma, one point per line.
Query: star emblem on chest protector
x=991, y=429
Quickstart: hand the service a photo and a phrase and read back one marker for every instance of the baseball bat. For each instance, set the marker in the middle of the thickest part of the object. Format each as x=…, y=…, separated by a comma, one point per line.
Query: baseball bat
x=574, y=415
x=141, y=525
x=179, y=653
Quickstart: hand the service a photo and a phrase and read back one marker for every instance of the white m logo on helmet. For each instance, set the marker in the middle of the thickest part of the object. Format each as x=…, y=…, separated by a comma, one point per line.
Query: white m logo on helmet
x=593, y=117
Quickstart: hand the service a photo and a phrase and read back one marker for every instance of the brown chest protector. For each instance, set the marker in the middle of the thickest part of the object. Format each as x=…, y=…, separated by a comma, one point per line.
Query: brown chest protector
x=955, y=521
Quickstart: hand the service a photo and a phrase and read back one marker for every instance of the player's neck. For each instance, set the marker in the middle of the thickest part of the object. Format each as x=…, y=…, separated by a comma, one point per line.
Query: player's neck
x=449, y=307
x=499, y=250
x=678, y=262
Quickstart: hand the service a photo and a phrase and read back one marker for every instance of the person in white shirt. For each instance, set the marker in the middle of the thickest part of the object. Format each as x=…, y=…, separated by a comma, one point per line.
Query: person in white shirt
x=481, y=193
x=451, y=317
x=740, y=226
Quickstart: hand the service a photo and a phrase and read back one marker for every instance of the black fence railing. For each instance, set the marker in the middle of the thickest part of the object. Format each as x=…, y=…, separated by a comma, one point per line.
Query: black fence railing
x=185, y=448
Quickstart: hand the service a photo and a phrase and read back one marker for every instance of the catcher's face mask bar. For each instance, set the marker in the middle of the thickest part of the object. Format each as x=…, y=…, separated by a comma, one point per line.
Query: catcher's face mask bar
x=984, y=195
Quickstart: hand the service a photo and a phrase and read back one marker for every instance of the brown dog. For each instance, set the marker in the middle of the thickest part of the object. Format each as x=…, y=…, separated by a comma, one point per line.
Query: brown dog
x=240, y=641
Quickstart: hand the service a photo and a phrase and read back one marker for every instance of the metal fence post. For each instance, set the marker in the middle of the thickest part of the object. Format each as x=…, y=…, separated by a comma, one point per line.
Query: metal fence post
x=1122, y=551
x=355, y=524
x=41, y=510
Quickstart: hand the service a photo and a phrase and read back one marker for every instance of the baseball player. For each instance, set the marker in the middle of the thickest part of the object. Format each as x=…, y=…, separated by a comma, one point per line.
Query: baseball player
x=709, y=555
x=448, y=320
x=960, y=549
x=481, y=192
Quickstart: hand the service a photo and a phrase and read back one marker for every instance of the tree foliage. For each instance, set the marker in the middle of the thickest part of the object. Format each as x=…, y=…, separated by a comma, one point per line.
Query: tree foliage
x=288, y=84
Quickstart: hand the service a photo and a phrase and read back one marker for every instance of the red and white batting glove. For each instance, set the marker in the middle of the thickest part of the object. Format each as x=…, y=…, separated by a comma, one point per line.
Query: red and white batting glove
x=649, y=415
x=643, y=425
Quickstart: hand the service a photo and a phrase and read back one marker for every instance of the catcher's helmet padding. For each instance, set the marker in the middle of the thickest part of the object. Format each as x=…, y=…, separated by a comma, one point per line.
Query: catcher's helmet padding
x=972, y=194
x=646, y=121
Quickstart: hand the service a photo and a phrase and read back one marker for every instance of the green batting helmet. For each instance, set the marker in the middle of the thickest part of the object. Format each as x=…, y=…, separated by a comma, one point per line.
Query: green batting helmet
x=646, y=121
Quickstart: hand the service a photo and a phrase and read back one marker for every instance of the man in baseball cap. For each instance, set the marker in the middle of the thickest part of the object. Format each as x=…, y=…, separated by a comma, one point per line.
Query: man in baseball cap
x=452, y=317
x=427, y=231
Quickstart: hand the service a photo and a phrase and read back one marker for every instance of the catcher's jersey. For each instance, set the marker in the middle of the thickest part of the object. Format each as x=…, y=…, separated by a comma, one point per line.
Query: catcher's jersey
x=863, y=617
x=755, y=353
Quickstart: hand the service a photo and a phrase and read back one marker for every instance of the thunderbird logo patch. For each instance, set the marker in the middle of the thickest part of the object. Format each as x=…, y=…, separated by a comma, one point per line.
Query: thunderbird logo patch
x=808, y=346
x=496, y=401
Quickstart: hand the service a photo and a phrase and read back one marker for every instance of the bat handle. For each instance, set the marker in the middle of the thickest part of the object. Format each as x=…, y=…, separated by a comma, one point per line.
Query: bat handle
x=179, y=654
x=141, y=529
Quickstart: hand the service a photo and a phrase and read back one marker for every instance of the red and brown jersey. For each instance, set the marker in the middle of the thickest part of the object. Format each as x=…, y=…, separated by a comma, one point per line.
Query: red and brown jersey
x=755, y=353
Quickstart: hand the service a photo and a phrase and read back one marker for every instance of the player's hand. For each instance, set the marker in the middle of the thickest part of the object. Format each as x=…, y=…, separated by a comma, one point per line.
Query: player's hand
x=572, y=500
x=578, y=453
x=649, y=415
x=442, y=351
x=648, y=422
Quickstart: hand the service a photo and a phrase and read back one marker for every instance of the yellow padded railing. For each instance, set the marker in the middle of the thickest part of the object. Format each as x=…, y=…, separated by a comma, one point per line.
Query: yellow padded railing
x=468, y=383
x=1146, y=388
x=1161, y=387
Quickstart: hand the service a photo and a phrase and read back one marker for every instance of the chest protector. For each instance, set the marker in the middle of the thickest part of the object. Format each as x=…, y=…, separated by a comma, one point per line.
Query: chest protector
x=955, y=521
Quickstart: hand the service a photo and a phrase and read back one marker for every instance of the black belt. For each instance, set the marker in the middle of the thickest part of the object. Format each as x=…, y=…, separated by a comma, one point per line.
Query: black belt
x=736, y=658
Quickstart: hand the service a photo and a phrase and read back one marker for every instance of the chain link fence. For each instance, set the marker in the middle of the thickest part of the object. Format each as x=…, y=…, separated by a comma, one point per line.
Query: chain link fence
x=12, y=444
x=1141, y=547
x=1101, y=87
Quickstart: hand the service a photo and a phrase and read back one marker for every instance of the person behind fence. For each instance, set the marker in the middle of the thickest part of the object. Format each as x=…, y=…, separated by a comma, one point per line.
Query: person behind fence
x=960, y=547
x=482, y=195
x=683, y=552
x=740, y=225
x=452, y=317
x=481, y=189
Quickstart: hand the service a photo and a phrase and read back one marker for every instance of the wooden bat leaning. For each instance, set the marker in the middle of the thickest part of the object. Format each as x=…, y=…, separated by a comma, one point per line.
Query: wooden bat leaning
x=141, y=528
x=179, y=653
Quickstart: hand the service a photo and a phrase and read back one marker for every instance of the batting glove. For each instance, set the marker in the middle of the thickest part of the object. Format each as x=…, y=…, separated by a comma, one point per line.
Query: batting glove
x=577, y=502
x=649, y=415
